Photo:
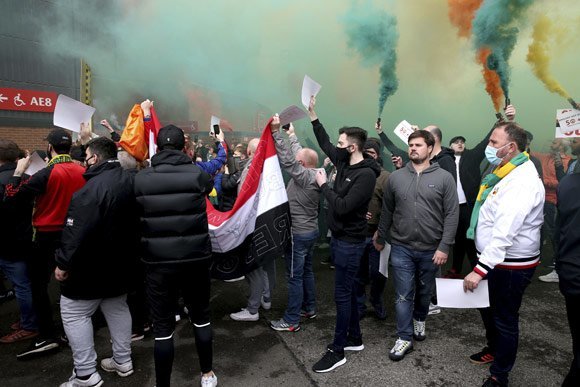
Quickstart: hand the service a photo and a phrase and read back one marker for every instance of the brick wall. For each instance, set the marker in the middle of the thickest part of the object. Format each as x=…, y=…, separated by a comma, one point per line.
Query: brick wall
x=27, y=138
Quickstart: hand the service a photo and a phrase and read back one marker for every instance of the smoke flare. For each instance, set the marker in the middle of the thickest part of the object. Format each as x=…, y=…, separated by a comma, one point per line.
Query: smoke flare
x=373, y=34
x=493, y=28
x=461, y=14
x=539, y=57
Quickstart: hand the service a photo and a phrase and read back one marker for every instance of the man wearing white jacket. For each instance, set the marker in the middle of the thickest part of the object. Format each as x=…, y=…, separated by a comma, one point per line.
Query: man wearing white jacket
x=506, y=223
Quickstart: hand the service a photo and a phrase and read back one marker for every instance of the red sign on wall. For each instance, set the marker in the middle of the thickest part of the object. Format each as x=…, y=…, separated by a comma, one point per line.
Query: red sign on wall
x=27, y=100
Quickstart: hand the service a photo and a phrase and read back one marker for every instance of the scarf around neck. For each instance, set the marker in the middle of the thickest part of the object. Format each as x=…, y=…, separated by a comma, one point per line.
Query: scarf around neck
x=487, y=185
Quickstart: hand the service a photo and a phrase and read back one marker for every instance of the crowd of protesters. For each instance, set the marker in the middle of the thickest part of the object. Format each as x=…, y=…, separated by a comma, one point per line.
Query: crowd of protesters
x=497, y=203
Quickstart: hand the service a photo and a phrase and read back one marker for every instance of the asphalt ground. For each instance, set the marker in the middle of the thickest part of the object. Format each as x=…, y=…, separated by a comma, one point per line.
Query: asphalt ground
x=252, y=354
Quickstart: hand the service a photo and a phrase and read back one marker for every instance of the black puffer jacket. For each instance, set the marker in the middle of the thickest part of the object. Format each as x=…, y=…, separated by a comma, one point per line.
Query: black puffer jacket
x=16, y=224
x=171, y=198
x=99, y=239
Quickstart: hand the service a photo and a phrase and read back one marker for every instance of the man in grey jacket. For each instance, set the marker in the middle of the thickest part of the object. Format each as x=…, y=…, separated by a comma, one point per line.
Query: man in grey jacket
x=419, y=218
x=303, y=197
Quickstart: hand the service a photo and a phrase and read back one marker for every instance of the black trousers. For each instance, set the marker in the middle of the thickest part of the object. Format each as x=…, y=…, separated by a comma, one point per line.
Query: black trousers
x=41, y=267
x=573, y=311
x=164, y=283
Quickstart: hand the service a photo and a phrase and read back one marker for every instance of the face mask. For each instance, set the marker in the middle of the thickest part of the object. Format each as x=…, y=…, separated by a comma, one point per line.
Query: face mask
x=342, y=154
x=491, y=154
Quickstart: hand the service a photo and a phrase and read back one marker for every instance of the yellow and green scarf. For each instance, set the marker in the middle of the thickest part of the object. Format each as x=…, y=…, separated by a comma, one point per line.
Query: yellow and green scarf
x=487, y=185
x=60, y=159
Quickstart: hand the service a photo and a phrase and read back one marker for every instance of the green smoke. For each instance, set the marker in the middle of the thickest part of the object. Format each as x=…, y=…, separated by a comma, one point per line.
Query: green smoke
x=494, y=28
x=373, y=34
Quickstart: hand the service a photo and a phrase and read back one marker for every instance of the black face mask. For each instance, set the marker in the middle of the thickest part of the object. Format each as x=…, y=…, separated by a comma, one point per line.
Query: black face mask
x=379, y=161
x=342, y=154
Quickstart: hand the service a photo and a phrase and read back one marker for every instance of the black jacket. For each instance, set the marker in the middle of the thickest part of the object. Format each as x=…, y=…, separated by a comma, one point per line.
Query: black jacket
x=349, y=198
x=568, y=262
x=229, y=191
x=16, y=221
x=469, y=169
x=99, y=239
x=171, y=197
x=446, y=160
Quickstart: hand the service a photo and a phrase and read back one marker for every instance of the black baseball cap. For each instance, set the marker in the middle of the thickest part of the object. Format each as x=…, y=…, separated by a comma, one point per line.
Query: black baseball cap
x=59, y=137
x=456, y=138
x=171, y=136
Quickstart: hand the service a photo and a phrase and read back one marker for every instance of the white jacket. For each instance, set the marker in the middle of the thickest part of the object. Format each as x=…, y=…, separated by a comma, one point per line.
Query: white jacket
x=510, y=219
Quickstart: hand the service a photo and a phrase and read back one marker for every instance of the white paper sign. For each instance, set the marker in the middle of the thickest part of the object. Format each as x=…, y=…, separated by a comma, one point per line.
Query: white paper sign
x=384, y=260
x=36, y=164
x=70, y=113
x=404, y=130
x=291, y=114
x=214, y=121
x=309, y=88
x=450, y=294
x=569, y=121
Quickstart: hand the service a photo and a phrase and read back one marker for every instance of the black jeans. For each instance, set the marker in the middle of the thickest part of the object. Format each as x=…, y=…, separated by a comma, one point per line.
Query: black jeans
x=347, y=257
x=501, y=319
x=463, y=245
x=573, y=310
x=40, y=268
x=163, y=286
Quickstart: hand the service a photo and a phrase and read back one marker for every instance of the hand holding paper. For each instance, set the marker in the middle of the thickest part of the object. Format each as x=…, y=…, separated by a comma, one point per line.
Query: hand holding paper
x=291, y=114
x=70, y=113
x=450, y=294
x=35, y=164
x=309, y=88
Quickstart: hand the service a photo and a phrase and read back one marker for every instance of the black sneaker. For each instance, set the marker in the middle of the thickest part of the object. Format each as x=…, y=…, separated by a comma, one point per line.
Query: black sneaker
x=329, y=361
x=39, y=347
x=483, y=357
x=7, y=295
x=354, y=344
x=492, y=382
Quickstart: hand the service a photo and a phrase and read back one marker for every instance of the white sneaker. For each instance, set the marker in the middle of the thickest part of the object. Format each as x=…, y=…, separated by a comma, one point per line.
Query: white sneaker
x=400, y=349
x=434, y=309
x=235, y=279
x=266, y=304
x=245, y=315
x=209, y=381
x=550, y=277
x=419, y=330
x=110, y=365
x=94, y=381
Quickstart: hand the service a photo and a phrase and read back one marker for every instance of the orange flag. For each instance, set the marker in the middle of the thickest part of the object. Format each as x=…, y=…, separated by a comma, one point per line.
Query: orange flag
x=133, y=138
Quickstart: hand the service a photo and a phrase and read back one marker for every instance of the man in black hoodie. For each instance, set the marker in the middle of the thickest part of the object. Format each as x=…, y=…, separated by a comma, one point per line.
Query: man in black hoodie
x=348, y=202
x=176, y=249
x=94, y=263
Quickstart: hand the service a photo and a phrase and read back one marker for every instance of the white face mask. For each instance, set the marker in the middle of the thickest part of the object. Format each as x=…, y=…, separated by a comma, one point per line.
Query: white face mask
x=491, y=154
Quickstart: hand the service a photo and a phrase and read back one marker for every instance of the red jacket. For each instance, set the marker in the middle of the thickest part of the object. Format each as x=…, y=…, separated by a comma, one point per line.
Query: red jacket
x=53, y=188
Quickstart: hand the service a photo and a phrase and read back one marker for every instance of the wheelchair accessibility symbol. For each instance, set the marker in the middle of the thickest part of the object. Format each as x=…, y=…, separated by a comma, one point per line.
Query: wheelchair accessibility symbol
x=18, y=101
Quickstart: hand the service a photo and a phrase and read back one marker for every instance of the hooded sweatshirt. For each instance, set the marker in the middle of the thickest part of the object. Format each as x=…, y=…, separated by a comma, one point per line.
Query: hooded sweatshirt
x=349, y=198
x=420, y=210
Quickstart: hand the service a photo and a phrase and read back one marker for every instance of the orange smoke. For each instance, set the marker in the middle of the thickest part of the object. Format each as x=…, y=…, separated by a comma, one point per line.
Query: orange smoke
x=492, y=83
x=461, y=14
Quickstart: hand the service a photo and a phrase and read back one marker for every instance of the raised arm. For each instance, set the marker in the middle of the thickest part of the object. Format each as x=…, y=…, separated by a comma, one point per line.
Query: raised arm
x=320, y=133
x=303, y=176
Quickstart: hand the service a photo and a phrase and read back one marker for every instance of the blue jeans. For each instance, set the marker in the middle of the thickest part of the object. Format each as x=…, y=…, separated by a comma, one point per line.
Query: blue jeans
x=17, y=274
x=301, y=290
x=369, y=273
x=501, y=319
x=347, y=257
x=412, y=268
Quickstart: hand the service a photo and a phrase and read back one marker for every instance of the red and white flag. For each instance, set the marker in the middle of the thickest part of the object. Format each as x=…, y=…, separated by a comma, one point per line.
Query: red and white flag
x=257, y=228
